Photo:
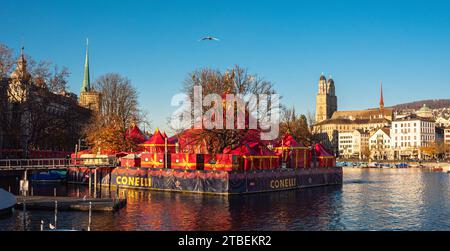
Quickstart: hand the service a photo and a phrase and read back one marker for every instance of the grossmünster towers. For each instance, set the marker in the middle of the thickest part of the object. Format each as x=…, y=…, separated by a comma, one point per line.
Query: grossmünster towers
x=326, y=101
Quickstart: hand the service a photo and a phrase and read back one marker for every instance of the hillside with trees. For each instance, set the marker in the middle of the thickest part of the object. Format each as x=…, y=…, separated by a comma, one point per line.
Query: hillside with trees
x=431, y=103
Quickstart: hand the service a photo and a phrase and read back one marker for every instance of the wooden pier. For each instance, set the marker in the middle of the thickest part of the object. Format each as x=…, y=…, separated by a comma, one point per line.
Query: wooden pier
x=69, y=203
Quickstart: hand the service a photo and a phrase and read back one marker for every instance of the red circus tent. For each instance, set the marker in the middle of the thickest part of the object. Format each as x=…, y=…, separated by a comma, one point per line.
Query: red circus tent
x=293, y=153
x=324, y=157
x=156, y=143
x=256, y=156
x=135, y=134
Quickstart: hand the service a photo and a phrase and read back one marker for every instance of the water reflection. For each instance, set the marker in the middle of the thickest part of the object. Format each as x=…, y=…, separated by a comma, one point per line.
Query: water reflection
x=381, y=199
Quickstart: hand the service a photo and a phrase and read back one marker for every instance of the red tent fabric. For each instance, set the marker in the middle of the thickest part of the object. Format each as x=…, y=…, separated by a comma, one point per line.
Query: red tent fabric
x=324, y=157
x=135, y=134
x=322, y=151
x=156, y=139
x=241, y=150
x=156, y=144
x=293, y=153
x=173, y=140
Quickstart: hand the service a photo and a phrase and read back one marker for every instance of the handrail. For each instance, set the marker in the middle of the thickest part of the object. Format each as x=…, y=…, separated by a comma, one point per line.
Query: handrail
x=60, y=163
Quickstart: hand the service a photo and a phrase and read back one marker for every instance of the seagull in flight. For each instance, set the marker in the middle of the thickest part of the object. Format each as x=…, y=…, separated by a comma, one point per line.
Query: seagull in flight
x=209, y=38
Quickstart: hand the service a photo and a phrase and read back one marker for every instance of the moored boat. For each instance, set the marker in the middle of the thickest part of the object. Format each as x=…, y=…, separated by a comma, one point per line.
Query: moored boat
x=7, y=202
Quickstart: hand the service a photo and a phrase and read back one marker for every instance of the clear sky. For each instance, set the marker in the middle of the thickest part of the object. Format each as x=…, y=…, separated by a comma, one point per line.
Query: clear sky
x=405, y=44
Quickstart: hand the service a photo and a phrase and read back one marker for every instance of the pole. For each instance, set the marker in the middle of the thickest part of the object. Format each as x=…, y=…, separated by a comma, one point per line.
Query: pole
x=56, y=213
x=54, y=192
x=90, y=215
x=90, y=180
x=165, y=153
x=95, y=183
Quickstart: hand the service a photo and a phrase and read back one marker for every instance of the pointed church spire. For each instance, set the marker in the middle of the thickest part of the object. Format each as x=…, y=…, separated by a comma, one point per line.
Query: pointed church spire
x=381, y=97
x=86, y=87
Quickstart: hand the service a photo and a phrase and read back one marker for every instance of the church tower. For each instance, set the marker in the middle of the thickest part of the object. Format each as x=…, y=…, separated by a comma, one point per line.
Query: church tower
x=326, y=100
x=20, y=81
x=332, y=99
x=89, y=98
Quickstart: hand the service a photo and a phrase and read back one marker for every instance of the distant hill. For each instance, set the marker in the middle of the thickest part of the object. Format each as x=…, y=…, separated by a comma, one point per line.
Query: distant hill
x=431, y=103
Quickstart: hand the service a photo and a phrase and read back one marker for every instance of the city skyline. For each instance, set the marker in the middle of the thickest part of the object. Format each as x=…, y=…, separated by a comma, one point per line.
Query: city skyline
x=157, y=46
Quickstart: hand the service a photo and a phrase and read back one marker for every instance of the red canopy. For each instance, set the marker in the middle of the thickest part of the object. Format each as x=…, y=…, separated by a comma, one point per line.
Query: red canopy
x=156, y=139
x=322, y=151
x=135, y=134
x=241, y=150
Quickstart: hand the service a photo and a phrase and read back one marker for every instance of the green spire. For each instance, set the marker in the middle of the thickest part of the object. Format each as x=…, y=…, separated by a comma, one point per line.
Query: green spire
x=86, y=87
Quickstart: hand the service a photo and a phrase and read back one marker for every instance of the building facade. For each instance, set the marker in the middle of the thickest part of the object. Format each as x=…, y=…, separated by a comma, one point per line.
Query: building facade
x=380, y=144
x=35, y=118
x=410, y=135
x=354, y=144
x=447, y=140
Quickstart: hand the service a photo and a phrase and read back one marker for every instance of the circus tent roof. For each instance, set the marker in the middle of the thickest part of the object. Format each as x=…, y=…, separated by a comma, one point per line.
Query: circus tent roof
x=135, y=134
x=157, y=138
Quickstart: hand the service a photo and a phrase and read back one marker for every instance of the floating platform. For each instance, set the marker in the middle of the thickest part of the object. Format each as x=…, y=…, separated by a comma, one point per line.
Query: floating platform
x=213, y=182
x=69, y=203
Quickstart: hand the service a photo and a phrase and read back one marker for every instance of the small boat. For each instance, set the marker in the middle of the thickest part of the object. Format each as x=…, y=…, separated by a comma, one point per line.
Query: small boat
x=402, y=165
x=437, y=169
x=49, y=177
x=7, y=202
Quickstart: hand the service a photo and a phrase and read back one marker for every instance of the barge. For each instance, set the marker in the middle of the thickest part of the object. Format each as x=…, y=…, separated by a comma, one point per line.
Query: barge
x=250, y=168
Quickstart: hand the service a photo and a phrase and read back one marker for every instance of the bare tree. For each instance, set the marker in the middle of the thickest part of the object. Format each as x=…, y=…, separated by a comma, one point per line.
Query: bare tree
x=6, y=61
x=48, y=75
x=234, y=81
x=119, y=110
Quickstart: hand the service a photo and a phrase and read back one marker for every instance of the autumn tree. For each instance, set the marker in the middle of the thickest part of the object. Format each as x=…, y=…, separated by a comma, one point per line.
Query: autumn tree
x=235, y=81
x=431, y=150
x=118, y=111
x=296, y=125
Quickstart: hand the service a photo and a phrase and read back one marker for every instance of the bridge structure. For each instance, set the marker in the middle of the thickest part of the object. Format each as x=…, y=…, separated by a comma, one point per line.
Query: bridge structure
x=56, y=164
x=39, y=165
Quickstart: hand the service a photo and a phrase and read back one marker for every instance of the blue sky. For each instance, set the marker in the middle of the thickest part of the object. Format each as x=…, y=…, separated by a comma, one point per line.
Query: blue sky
x=405, y=44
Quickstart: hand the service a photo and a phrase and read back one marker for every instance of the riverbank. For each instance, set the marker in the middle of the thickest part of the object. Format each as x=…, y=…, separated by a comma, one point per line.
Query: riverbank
x=444, y=166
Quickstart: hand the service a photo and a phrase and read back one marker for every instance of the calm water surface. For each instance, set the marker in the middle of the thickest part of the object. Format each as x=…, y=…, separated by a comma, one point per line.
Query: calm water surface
x=376, y=199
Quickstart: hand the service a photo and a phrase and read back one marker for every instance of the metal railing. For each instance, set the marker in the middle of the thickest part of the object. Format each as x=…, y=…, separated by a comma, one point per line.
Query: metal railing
x=60, y=164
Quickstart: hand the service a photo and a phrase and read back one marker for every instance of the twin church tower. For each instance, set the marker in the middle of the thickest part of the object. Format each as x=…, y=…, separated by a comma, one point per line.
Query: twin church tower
x=326, y=101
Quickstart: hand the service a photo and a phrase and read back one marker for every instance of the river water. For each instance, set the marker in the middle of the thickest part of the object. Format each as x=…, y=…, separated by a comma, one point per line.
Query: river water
x=369, y=199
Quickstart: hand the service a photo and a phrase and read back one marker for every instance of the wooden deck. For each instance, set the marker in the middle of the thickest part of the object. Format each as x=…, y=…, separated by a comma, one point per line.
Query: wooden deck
x=69, y=203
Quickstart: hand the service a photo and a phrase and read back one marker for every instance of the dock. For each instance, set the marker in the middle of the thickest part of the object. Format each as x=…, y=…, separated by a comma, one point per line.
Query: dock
x=70, y=203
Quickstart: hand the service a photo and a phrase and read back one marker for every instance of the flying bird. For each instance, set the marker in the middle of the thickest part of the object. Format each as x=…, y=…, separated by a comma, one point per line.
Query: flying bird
x=209, y=38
